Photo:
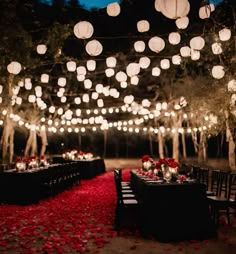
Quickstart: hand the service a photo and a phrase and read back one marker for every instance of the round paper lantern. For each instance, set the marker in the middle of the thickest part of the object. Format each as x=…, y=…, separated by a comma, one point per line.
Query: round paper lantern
x=71, y=66
x=165, y=64
x=132, y=69
x=121, y=76
x=128, y=99
x=100, y=103
x=225, y=34
x=87, y=83
x=176, y=59
x=77, y=101
x=44, y=78
x=91, y=65
x=123, y=84
x=232, y=85
x=143, y=26
x=111, y=62
x=83, y=30
x=94, y=48
x=80, y=77
x=99, y=88
x=218, y=72
x=134, y=80
x=139, y=46
x=205, y=11
x=85, y=98
x=14, y=68
x=195, y=54
x=182, y=23
x=41, y=49
x=81, y=70
x=31, y=98
x=156, y=71
x=146, y=103
x=109, y=72
x=216, y=48
x=174, y=38
x=113, y=9
x=94, y=95
x=197, y=43
x=156, y=44
x=174, y=9
x=185, y=51
x=157, y=5
x=144, y=62
x=61, y=82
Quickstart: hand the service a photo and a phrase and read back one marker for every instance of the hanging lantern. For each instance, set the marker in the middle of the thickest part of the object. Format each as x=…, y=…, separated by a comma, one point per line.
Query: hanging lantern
x=77, y=101
x=185, y=51
x=195, y=54
x=28, y=84
x=61, y=82
x=71, y=66
x=94, y=48
x=41, y=49
x=143, y=26
x=144, y=62
x=216, y=48
x=99, y=88
x=111, y=62
x=44, y=78
x=182, y=23
x=134, y=80
x=83, y=30
x=157, y=5
x=14, y=68
x=87, y=83
x=205, y=11
x=100, y=103
x=31, y=98
x=176, y=59
x=232, y=85
x=81, y=70
x=156, y=71
x=218, y=72
x=197, y=43
x=128, y=99
x=91, y=65
x=132, y=69
x=165, y=64
x=174, y=38
x=85, y=98
x=156, y=44
x=174, y=9
x=94, y=95
x=225, y=34
x=121, y=76
x=109, y=72
x=80, y=77
x=146, y=103
x=113, y=9
x=139, y=46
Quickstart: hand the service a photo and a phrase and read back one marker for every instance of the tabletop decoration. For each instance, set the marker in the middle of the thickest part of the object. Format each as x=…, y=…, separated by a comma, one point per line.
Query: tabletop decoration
x=21, y=164
x=77, y=155
x=147, y=163
x=32, y=162
x=43, y=162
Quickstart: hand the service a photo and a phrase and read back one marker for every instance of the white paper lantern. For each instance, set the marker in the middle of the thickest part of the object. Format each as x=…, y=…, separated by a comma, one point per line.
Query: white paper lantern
x=146, y=103
x=63, y=99
x=156, y=71
x=216, y=48
x=94, y=95
x=18, y=100
x=232, y=85
x=134, y=80
x=41, y=49
x=109, y=72
x=205, y=11
x=77, y=100
x=71, y=66
x=83, y=30
x=156, y=44
x=176, y=59
x=143, y=26
x=14, y=68
x=144, y=62
x=174, y=9
x=121, y=76
x=174, y=38
x=139, y=46
x=111, y=62
x=81, y=70
x=28, y=84
x=61, y=82
x=80, y=77
x=128, y=99
x=195, y=55
x=94, y=48
x=91, y=65
x=85, y=98
x=225, y=34
x=157, y=5
x=99, y=88
x=87, y=83
x=31, y=98
x=100, y=103
x=182, y=23
x=218, y=72
x=132, y=69
x=44, y=78
x=185, y=51
x=113, y=9
x=165, y=64
x=1, y=88
x=197, y=43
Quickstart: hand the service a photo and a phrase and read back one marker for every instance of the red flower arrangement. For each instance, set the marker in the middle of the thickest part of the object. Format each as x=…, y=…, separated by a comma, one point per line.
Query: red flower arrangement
x=145, y=157
x=167, y=161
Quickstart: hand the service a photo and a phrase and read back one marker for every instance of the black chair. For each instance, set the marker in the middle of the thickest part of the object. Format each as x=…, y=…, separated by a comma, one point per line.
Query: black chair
x=221, y=202
x=124, y=202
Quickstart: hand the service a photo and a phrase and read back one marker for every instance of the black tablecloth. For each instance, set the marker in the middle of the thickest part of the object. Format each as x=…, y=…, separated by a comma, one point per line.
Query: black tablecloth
x=87, y=168
x=173, y=211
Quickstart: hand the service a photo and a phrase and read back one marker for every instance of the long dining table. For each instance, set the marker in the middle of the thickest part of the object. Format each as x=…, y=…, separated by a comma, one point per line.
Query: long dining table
x=173, y=211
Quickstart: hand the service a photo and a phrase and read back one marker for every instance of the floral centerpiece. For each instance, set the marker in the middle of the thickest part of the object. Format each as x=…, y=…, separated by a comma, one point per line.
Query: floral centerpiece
x=147, y=163
x=31, y=162
x=77, y=155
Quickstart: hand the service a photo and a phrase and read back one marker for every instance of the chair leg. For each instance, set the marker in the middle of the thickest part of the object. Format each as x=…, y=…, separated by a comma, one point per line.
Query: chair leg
x=117, y=218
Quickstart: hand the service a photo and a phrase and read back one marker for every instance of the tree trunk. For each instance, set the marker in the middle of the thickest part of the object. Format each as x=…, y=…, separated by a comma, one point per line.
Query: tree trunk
x=150, y=144
x=195, y=142
x=105, y=143
x=184, y=146
x=160, y=145
x=231, y=143
x=44, y=141
x=175, y=145
x=31, y=145
x=202, y=147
